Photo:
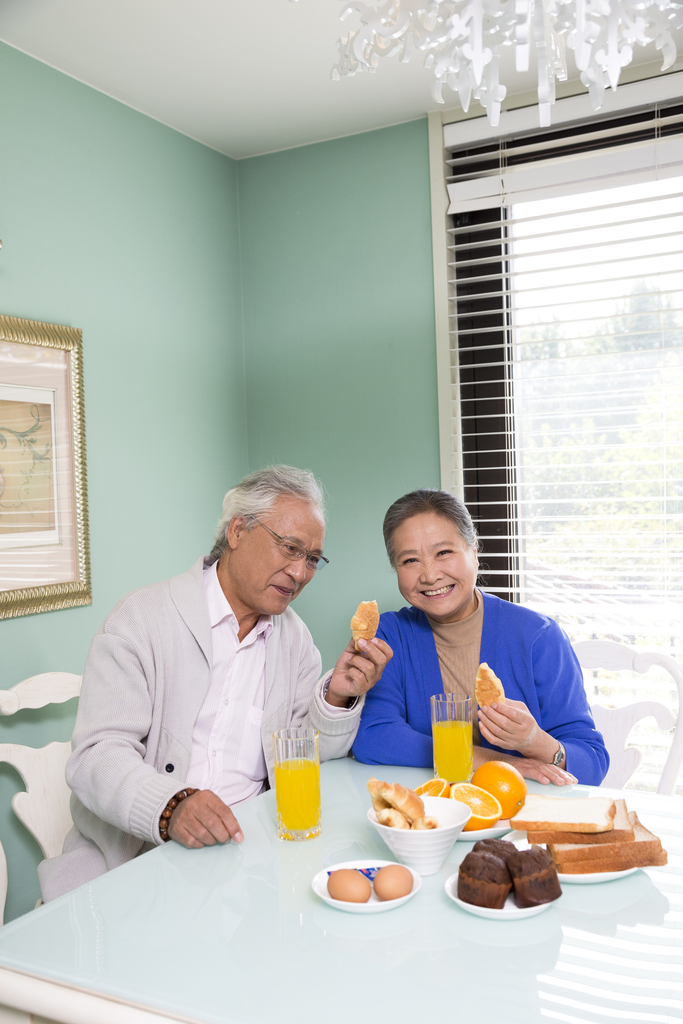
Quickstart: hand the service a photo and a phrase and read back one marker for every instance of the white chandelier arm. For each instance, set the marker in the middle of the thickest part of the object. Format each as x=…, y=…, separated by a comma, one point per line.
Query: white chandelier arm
x=462, y=42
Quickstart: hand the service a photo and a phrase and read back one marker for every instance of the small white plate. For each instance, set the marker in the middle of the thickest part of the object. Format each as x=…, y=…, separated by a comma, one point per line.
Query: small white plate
x=510, y=912
x=598, y=876
x=501, y=829
x=374, y=905
x=520, y=841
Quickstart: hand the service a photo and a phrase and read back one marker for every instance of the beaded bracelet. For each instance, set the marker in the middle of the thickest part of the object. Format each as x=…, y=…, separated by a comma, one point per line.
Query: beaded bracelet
x=168, y=810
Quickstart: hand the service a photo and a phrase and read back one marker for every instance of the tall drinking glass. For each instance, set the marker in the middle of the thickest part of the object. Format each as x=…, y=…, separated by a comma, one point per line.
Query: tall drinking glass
x=297, y=783
x=452, y=735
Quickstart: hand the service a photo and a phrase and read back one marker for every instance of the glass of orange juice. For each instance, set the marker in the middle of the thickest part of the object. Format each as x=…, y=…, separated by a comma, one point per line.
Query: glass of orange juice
x=297, y=783
x=452, y=735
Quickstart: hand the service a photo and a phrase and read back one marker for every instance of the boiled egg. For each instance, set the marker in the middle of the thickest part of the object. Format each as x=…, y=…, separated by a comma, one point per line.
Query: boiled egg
x=349, y=885
x=393, y=882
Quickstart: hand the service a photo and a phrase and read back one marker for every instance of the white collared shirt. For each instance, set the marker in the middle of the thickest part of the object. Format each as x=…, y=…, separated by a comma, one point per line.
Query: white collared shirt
x=227, y=754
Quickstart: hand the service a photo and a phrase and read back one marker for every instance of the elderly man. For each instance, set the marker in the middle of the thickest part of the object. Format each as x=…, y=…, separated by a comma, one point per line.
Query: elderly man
x=187, y=680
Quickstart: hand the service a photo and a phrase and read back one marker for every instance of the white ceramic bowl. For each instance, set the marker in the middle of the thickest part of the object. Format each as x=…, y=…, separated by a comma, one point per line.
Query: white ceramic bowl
x=425, y=850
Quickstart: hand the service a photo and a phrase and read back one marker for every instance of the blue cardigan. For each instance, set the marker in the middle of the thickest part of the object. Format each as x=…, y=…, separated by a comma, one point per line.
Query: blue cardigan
x=529, y=652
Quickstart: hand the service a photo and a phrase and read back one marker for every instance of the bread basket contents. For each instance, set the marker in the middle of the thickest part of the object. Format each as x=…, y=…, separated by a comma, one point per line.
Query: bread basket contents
x=392, y=818
x=397, y=806
x=591, y=835
x=365, y=621
x=488, y=688
x=419, y=830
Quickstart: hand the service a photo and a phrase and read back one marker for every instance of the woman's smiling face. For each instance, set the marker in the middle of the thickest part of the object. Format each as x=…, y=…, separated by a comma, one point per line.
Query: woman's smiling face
x=436, y=569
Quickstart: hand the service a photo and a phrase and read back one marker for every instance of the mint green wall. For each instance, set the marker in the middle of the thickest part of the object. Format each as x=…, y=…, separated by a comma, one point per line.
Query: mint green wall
x=339, y=342
x=115, y=224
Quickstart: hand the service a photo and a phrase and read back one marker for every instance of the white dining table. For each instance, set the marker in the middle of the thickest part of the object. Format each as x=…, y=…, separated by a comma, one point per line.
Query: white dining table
x=235, y=935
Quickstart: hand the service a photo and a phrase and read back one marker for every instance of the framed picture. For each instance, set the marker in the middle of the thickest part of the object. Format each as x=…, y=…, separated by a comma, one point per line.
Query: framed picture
x=44, y=548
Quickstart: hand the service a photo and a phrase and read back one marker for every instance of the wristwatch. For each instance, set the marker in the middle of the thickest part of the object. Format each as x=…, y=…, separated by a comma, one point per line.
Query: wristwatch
x=559, y=756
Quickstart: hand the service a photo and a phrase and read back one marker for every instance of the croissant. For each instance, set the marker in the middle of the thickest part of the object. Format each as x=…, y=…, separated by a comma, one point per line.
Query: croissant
x=378, y=801
x=424, y=823
x=403, y=799
x=393, y=818
x=365, y=621
x=487, y=687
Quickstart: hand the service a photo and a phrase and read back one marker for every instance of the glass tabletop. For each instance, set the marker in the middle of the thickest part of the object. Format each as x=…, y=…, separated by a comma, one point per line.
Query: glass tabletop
x=236, y=934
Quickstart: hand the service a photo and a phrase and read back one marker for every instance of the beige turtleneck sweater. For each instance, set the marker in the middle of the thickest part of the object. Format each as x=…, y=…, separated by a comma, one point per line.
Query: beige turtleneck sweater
x=458, y=647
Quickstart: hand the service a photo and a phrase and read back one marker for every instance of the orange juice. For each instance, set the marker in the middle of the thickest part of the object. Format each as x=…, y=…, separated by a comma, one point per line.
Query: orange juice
x=297, y=791
x=452, y=750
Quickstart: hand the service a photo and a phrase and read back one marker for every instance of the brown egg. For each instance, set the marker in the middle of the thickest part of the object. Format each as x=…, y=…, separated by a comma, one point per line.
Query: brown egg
x=392, y=882
x=349, y=885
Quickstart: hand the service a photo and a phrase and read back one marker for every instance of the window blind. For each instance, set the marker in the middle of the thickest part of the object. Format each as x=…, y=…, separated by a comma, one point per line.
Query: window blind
x=566, y=312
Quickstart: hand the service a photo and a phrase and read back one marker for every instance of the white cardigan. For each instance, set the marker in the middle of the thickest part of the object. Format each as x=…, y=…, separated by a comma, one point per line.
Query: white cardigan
x=145, y=680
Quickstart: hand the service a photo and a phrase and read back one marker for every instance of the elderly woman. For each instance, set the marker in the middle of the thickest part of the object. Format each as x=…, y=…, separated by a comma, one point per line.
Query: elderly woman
x=544, y=728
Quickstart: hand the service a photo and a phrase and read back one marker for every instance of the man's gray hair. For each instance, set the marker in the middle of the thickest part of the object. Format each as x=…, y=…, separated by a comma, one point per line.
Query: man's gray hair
x=427, y=500
x=258, y=492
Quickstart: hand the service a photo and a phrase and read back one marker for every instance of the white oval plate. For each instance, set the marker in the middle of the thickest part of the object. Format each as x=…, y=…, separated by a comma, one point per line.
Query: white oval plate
x=374, y=905
x=520, y=840
x=510, y=912
x=501, y=829
x=598, y=876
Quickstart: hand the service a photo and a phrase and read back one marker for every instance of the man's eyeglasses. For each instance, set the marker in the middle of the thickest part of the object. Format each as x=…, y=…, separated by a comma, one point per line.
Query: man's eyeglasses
x=294, y=552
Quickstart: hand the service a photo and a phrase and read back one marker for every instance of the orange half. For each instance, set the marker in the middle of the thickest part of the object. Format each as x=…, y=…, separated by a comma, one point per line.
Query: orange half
x=435, y=787
x=486, y=810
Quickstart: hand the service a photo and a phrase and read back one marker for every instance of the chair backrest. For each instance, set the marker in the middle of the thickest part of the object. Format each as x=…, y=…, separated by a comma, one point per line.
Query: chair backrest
x=616, y=723
x=44, y=808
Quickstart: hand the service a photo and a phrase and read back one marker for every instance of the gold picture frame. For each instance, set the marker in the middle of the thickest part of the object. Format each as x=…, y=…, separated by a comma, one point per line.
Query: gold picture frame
x=44, y=539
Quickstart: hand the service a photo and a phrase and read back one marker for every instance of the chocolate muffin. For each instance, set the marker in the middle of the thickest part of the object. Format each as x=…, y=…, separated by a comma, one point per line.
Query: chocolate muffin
x=484, y=880
x=534, y=877
x=499, y=847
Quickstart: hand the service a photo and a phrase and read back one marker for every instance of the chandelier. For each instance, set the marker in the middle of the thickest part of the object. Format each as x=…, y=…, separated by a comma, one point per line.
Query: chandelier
x=462, y=41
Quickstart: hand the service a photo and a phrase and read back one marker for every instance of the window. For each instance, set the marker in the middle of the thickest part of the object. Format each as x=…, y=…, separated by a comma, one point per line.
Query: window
x=566, y=311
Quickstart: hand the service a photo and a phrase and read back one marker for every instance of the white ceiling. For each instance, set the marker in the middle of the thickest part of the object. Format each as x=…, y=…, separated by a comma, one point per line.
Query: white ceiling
x=243, y=76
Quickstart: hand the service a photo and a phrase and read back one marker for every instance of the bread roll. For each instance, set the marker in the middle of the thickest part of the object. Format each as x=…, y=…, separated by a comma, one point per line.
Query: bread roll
x=487, y=687
x=365, y=622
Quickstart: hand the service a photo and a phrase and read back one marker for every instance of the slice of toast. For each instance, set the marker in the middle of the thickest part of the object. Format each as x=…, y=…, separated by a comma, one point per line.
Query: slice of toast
x=558, y=814
x=645, y=851
x=621, y=833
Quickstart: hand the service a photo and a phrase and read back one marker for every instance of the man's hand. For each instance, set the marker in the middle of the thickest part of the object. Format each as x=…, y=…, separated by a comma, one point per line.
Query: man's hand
x=203, y=820
x=356, y=672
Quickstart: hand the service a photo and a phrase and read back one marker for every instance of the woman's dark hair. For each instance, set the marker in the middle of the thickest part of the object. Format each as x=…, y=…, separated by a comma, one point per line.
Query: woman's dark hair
x=427, y=500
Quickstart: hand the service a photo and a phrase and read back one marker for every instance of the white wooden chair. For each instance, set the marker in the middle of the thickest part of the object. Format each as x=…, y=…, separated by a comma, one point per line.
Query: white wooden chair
x=615, y=724
x=44, y=808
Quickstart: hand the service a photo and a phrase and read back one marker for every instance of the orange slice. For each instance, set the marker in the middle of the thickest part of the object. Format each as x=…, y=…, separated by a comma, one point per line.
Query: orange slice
x=435, y=787
x=486, y=810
